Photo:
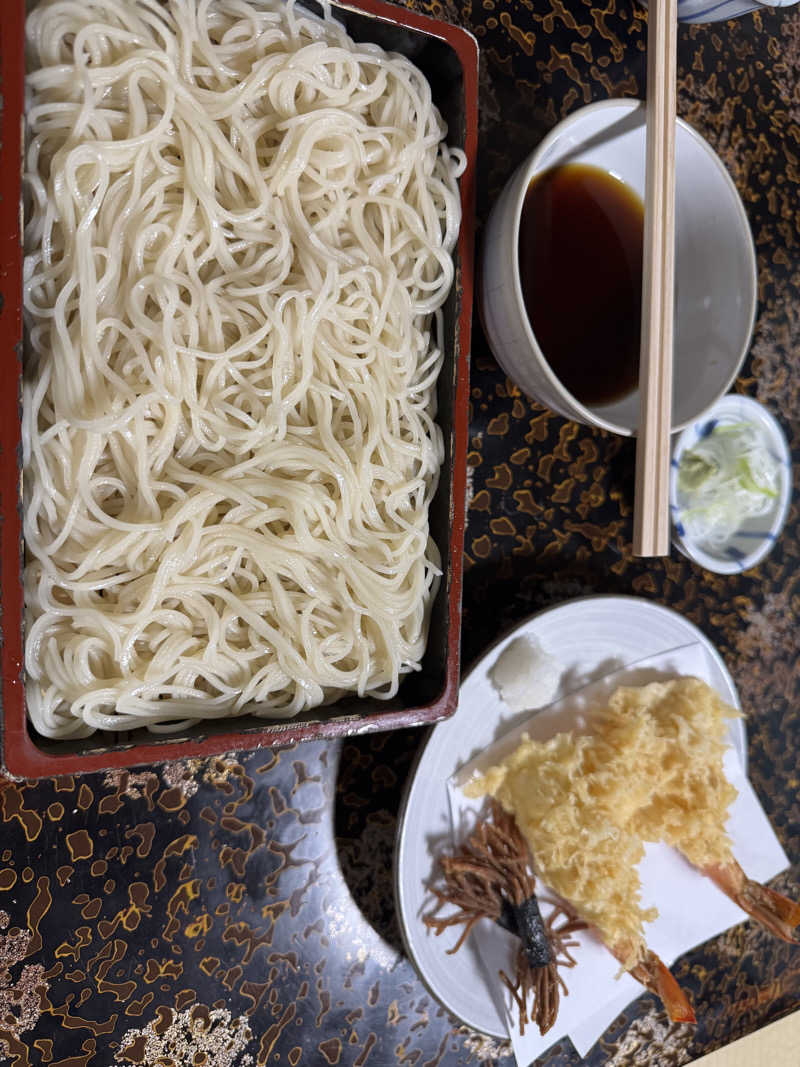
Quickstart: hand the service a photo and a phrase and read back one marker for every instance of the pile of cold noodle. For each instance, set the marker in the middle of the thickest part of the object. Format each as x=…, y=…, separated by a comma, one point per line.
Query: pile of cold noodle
x=239, y=227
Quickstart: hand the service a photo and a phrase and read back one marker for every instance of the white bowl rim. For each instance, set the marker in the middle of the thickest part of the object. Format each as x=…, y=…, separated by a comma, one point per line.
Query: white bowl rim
x=529, y=169
x=711, y=562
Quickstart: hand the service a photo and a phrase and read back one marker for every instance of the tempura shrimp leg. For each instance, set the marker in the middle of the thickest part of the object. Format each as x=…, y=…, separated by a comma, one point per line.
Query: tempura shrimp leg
x=773, y=910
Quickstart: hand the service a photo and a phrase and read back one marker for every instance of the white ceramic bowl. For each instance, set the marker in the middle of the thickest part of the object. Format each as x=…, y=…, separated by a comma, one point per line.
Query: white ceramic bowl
x=757, y=536
x=720, y=10
x=715, y=266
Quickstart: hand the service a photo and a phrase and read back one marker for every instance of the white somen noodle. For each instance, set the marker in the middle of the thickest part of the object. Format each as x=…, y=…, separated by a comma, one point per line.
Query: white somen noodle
x=239, y=227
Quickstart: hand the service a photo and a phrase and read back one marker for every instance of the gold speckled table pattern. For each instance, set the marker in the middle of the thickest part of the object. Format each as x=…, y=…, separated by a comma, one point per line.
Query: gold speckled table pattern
x=236, y=912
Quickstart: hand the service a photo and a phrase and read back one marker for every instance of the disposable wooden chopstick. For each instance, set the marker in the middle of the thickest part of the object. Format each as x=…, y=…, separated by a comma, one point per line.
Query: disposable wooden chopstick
x=651, y=501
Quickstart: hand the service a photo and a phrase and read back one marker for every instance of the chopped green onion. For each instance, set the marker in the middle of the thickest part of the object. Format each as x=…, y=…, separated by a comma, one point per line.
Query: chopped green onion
x=728, y=477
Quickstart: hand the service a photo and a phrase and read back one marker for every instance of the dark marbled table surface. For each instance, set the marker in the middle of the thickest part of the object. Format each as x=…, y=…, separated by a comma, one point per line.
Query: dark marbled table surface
x=255, y=894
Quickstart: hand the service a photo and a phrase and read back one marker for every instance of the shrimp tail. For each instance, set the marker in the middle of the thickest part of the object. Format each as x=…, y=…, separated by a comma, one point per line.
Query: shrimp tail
x=656, y=977
x=773, y=910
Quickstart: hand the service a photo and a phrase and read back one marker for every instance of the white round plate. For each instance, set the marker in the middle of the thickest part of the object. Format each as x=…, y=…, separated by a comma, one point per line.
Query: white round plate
x=590, y=637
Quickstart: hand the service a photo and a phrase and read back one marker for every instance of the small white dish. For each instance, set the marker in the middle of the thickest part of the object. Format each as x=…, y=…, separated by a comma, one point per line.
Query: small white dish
x=715, y=266
x=757, y=536
x=590, y=637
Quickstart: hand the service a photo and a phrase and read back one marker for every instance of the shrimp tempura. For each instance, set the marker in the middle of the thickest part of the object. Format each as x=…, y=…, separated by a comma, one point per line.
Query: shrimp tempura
x=555, y=790
x=675, y=734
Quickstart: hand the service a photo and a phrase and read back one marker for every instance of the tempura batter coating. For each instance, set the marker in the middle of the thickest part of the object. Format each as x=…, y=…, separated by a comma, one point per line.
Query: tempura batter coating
x=668, y=740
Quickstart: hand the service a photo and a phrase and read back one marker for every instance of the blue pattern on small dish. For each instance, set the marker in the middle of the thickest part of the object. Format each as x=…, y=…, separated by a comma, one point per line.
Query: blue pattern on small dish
x=708, y=428
x=758, y=535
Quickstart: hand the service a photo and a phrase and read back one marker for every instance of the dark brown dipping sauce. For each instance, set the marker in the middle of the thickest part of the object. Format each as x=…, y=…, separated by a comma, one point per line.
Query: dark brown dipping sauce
x=580, y=259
